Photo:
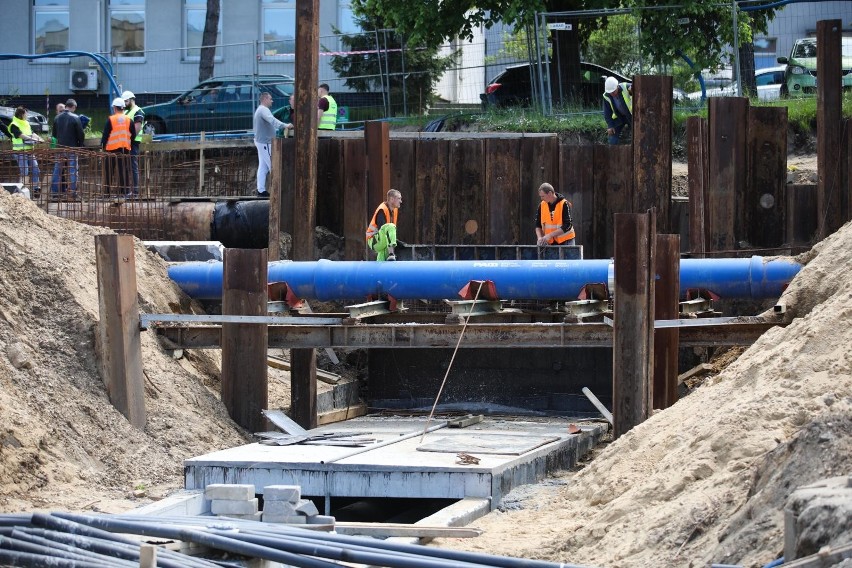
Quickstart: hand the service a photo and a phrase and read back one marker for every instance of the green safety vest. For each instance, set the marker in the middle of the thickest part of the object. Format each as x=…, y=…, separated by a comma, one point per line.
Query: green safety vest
x=26, y=130
x=628, y=100
x=131, y=112
x=328, y=121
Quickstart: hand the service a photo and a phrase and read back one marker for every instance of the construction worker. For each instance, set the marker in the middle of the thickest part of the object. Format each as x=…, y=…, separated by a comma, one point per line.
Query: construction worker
x=23, y=142
x=326, y=109
x=553, y=222
x=118, y=132
x=138, y=117
x=617, y=108
x=381, y=233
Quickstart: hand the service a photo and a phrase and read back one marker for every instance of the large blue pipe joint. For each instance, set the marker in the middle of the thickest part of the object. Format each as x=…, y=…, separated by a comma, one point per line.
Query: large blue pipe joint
x=756, y=278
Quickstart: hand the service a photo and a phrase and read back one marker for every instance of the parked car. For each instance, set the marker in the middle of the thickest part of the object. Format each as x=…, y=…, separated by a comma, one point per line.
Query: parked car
x=513, y=86
x=219, y=104
x=38, y=122
x=801, y=75
x=768, y=80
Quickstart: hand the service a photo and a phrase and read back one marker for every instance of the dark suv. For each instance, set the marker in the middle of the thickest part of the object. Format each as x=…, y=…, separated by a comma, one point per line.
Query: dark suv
x=513, y=85
x=219, y=104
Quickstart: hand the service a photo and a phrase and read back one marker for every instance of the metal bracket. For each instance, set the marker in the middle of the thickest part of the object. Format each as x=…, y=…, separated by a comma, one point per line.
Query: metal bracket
x=475, y=307
x=370, y=309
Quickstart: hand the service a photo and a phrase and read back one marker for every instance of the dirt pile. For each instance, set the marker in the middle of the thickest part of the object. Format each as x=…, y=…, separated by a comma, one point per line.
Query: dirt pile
x=62, y=444
x=705, y=481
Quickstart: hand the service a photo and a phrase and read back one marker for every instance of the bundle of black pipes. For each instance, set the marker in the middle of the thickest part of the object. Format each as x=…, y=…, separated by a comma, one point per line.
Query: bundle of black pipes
x=76, y=540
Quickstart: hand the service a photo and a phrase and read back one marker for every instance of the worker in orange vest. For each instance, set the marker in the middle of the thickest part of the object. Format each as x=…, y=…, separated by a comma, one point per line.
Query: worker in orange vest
x=118, y=132
x=553, y=222
x=381, y=232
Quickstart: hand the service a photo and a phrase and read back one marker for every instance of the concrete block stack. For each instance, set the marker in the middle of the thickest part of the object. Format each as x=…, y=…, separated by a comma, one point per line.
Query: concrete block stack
x=284, y=504
x=233, y=500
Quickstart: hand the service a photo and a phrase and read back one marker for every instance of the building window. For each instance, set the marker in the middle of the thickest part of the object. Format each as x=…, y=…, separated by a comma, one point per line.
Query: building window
x=50, y=26
x=127, y=29
x=279, y=28
x=195, y=15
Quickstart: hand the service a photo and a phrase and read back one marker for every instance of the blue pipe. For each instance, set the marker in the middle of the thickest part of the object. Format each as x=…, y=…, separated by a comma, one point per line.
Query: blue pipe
x=753, y=277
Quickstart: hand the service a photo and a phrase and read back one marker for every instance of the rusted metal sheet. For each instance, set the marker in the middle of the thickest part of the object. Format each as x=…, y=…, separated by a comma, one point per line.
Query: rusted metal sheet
x=538, y=165
x=652, y=146
x=403, y=167
x=697, y=179
x=765, y=201
x=846, y=189
x=576, y=183
x=502, y=190
x=356, y=210
x=802, y=214
x=613, y=191
x=724, y=205
x=666, y=307
x=432, y=193
x=244, y=346
x=829, y=126
x=468, y=213
x=288, y=185
x=633, y=321
x=274, y=189
x=377, y=135
x=330, y=174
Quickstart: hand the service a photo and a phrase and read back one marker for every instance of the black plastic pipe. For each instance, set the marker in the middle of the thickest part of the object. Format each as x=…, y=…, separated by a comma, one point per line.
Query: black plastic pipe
x=28, y=560
x=46, y=552
x=51, y=545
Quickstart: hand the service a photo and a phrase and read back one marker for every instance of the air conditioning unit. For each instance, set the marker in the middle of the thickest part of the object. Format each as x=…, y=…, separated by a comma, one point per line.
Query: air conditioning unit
x=84, y=79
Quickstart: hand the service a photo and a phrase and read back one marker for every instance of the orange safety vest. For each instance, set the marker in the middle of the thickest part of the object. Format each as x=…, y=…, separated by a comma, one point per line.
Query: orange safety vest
x=555, y=221
x=373, y=228
x=119, y=135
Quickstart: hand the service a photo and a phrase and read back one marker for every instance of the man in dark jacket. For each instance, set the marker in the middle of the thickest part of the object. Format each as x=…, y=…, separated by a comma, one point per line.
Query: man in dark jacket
x=68, y=131
x=617, y=108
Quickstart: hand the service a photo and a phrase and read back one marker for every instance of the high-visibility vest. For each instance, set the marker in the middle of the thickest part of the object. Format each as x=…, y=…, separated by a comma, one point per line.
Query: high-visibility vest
x=328, y=121
x=119, y=135
x=628, y=100
x=131, y=112
x=555, y=222
x=26, y=130
x=372, y=229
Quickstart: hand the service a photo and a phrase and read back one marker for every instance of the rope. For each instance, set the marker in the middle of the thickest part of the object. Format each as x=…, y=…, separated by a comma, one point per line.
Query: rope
x=450, y=366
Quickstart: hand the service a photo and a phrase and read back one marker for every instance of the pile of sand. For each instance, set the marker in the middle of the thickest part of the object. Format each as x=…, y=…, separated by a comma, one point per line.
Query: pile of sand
x=705, y=481
x=62, y=444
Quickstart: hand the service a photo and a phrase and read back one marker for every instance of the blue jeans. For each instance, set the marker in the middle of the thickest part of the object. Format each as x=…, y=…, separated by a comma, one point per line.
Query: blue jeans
x=614, y=139
x=134, y=166
x=25, y=163
x=65, y=161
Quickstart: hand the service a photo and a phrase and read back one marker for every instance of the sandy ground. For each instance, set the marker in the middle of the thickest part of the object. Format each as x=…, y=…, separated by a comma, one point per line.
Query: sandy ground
x=704, y=481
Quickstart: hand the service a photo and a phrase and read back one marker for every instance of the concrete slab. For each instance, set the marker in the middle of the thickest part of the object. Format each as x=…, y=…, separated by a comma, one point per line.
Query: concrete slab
x=394, y=466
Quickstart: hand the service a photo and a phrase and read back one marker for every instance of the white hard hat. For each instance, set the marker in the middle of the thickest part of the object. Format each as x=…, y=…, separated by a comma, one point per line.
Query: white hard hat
x=610, y=84
x=127, y=95
x=118, y=102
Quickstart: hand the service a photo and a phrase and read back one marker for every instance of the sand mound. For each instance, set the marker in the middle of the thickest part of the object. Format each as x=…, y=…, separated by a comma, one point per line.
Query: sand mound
x=706, y=480
x=62, y=444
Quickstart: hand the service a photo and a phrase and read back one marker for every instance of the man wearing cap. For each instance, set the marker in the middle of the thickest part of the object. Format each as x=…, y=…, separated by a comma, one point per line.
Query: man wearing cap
x=68, y=131
x=617, y=108
x=138, y=117
x=118, y=132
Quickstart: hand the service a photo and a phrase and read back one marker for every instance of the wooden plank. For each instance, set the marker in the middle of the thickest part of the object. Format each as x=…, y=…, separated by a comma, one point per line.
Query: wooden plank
x=303, y=387
x=801, y=214
x=633, y=322
x=666, y=307
x=829, y=126
x=288, y=187
x=383, y=530
x=613, y=190
x=697, y=179
x=468, y=223
x=118, y=326
x=846, y=188
x=275, y=200
x=576, y=182
x=356, y=214
x=376, y=135
x=341, y=414
x=652, y=146
x=538, y=165
x=724, y=205
x=765, y=199
x=330, y=179
x=403, y=169
x=502, y=191
x=284, y=422
x=244, y=346
x=432, y=192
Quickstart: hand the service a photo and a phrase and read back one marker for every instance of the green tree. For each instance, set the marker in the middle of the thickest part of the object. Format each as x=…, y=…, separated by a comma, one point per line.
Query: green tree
x=407, y=71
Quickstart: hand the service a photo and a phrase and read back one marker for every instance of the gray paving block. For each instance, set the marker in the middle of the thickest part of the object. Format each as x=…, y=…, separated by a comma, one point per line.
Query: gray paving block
x=279, y=508
x=290, y=520
x=229, y=507
x=306, y=507
x=252, y=517
x=289, y=493
x=229, y=491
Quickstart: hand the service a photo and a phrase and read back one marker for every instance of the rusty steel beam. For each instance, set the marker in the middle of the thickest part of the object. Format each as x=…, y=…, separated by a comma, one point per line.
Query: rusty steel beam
x=697, y=178
x=477, y=335
x=652, y=147
x=829, y=126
